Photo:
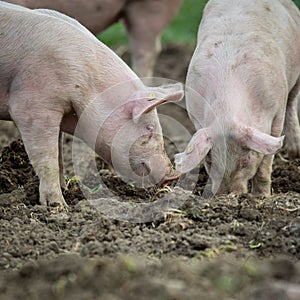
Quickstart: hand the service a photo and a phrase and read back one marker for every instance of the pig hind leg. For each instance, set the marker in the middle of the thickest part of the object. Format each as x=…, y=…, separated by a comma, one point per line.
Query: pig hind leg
x=144, y=22
x=145, y=42
x=291, y=124
x=40, y=132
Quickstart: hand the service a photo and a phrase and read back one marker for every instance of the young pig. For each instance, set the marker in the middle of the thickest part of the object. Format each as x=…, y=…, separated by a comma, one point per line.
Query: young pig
x=144, y=21
x=242, y=87
x=55, y=75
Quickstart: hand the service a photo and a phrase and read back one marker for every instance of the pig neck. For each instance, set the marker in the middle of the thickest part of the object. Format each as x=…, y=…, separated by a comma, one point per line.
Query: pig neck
x=97, y=128
x=108, y=131
x=109, y=86
x=102, y=118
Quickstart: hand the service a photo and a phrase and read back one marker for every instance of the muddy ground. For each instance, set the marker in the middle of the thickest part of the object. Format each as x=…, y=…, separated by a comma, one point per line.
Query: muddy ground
x=147, y=243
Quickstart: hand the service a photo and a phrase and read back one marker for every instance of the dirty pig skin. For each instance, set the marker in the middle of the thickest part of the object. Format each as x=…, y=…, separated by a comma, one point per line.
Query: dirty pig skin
x=241, y=92
x=144, y=21
x=52, y=71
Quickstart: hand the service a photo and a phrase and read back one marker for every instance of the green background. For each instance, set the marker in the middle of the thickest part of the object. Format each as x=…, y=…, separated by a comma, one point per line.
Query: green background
x=183, y=28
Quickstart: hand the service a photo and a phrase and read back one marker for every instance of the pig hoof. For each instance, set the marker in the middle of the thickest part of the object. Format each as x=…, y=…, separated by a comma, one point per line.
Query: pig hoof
x=261, y=192
x=58, y=204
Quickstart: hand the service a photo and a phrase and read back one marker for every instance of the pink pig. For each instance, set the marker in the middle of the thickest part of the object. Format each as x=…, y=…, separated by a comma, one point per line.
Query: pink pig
x=56, y=76
x=242, y=87
x=144, y=21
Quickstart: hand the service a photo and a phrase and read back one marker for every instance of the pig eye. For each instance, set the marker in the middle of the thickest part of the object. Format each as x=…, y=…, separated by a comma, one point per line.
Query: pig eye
x=149, y=127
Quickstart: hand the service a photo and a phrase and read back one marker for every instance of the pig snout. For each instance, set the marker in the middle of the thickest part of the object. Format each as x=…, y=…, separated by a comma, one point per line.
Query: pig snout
x=162, y=170
x=172, y=175
x=157, y=169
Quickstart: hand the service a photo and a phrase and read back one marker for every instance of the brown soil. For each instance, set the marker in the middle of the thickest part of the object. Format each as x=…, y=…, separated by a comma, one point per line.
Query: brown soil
x=223, y=248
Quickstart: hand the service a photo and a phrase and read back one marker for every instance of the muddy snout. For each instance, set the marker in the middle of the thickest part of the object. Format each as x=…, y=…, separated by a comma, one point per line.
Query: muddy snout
x=171, y=176
x=156, y=170
x=162, y=170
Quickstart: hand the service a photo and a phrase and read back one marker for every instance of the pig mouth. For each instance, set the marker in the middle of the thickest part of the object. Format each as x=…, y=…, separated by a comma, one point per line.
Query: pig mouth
x=172, y=176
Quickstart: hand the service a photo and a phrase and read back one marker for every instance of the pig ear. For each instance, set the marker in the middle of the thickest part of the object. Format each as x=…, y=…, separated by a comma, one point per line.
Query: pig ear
x=261, y=142
x=194, y=153
x=153, y=97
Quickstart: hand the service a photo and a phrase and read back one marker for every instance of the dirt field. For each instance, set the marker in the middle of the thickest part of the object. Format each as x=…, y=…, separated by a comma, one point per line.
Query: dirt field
x=171, y=244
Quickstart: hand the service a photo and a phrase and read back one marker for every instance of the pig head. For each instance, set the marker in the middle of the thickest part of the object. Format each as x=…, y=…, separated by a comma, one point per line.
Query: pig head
x=241, y=91
x=231, y=157
x=126, y=131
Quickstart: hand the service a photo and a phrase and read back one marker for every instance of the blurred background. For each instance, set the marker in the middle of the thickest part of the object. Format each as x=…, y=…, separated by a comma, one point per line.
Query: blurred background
x=182, y=30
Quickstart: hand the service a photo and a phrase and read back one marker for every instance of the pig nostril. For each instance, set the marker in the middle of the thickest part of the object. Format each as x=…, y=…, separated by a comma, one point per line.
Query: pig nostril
x=141, y=169
x=146, y=168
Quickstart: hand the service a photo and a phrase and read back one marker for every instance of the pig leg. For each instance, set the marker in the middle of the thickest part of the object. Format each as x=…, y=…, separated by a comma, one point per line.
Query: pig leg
x=261, y=182
x=144, y=21
x=40, y=134
x=291, y=124
x=145, y=47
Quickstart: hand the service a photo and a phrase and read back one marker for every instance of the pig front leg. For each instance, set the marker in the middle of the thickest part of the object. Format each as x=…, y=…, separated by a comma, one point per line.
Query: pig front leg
x=40, y=133
x=291, y=124
x=261, y=182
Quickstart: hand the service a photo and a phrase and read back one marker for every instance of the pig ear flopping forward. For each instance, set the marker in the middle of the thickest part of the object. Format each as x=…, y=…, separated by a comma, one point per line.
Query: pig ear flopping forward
x=196, y=150
x=261, y=142
x=154, y=96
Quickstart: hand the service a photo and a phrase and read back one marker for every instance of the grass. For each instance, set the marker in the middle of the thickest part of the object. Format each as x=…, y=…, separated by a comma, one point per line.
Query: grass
x=184, y=27
x=182, y=30
x=297, y=2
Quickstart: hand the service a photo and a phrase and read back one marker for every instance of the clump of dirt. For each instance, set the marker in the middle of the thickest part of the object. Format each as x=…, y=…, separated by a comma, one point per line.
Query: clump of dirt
x=17, y=172
x=286, y=174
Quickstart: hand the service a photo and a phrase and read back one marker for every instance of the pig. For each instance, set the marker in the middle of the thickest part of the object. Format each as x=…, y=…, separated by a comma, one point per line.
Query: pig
x=144, y=21
x=241, y=91
x=56, y=76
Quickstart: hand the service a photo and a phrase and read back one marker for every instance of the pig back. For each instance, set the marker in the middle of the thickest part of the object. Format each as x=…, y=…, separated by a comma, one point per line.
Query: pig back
x=41, y=47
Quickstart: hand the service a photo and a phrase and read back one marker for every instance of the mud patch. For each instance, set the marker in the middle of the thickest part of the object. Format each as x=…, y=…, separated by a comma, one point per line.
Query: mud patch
x=40, y=244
